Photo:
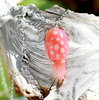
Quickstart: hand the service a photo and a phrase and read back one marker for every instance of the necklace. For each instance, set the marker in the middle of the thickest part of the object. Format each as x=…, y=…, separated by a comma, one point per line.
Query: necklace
x=55, y=43
x=25, y=61
x=57, y=47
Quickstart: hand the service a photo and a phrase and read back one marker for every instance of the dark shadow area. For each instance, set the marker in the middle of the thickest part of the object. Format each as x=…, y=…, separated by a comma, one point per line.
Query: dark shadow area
x=81, y=6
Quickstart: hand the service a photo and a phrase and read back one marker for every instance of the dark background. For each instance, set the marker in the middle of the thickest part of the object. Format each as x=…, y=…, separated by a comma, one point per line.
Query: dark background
x=81, y=6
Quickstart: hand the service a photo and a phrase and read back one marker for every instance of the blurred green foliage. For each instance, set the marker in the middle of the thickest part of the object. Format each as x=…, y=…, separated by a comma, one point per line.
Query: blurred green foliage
x=2, y=90
x=3, y=94
x=41, y=4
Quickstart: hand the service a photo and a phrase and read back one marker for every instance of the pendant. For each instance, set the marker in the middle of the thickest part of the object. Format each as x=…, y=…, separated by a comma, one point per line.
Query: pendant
x=57, y=47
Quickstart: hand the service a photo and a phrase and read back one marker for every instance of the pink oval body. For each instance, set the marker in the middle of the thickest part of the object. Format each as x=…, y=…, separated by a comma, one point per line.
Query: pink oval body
x=56, y=44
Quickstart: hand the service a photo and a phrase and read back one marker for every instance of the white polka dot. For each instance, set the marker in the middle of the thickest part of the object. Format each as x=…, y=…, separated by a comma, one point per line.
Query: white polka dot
x=62, y=50
x=57, y=39
x=61, y=35
x=55, y=32
x=52, y=62
x=57, y=56
x=63, y=61
x=51, y=52
x=16, y=55
x=62, y=42
x=51, y=47
x=56, y=47
x=51, y=38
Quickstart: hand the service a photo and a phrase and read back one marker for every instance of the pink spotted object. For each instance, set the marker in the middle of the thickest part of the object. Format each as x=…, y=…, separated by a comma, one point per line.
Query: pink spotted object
x=56, y=46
